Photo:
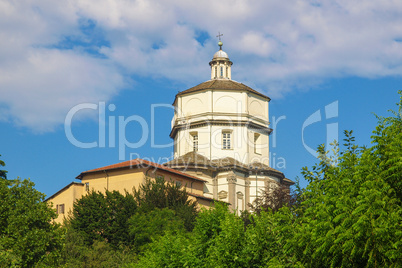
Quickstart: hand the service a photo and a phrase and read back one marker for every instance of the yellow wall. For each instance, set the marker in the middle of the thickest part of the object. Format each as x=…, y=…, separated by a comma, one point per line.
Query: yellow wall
x=126, y=179
x=120, y=180
x=66, y=197
x=115, y=180
x=191, y=186
x=202, y=203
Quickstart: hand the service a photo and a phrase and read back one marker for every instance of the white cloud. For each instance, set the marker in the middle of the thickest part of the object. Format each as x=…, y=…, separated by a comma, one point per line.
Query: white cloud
x=40, y=91
x=276, y=46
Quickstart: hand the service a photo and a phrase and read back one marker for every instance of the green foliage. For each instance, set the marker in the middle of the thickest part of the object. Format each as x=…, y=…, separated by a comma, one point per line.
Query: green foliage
x=103, y=217
x=265, y=240
x=209, y=224
x=77, y=254
x=387, y=150
x=187, y=250
x=157, y=193
x=27, y=234
x=220, y=239
x=116, y=225
x=146, y=227
x=226, y=246
x=170, y=250
x=3, y=173
x=351, y=214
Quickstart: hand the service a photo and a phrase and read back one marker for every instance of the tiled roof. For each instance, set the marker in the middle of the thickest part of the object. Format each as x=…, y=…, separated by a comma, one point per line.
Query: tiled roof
x=196, y=160
x=288, y=181
x=64, y=188
x=191, y=158
x=227, y=162
x=202, y=197
x=224, y=84
x=140, y=163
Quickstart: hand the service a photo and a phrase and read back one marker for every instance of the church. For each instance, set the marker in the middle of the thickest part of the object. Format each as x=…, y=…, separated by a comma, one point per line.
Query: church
x=221, y=134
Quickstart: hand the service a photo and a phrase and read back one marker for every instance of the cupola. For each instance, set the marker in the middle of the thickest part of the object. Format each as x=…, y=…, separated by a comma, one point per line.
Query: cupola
x=221, y=66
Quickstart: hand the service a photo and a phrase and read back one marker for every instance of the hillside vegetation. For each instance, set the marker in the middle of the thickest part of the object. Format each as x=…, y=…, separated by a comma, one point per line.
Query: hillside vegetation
x=349, y=215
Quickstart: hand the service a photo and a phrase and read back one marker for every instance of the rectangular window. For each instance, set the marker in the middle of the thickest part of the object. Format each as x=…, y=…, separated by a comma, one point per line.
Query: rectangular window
x=226, y=140
x=195, y=142
x=60, y=209
x=221, y=71
x=227, y=72
x=87, y=186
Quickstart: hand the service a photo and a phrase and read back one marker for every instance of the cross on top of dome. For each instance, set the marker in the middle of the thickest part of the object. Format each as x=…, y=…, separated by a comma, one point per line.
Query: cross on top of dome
x=220, y=42
x=220, y=63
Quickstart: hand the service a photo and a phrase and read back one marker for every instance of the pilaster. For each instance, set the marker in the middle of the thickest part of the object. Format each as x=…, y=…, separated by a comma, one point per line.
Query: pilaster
x=231, y=179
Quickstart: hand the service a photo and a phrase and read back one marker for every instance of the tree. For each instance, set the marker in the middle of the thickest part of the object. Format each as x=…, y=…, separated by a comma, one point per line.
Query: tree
x=274, y=197
x=27, y=234
x=77, y=254
x=158, y=193
x=103, y=217
x=3, y=173
x=266, y=237
x=220, y=240
x=351, y=212
x=187, y=249
x=349, y=215
x=146, y=227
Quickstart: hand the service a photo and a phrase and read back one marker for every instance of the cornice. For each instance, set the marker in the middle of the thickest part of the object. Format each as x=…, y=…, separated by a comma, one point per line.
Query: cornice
x=211, y=116
x=219, y=122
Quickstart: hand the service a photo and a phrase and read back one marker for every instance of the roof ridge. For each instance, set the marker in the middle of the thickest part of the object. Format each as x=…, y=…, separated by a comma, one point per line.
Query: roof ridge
x=221, y=84
x=138, y=162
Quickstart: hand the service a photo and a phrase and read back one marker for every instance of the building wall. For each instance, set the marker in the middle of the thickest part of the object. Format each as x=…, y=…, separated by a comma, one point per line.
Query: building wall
x=239, y=189
x=221, y=101
x=222, y=106
x=120, y=180
x=66, y=198
x=208, y=187
x=210, y=143
x=115, y=180
x=191, y=186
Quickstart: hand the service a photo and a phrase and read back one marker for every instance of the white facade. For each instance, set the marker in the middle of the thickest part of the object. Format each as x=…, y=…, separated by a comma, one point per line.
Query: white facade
x=237, y=113
x=225, y=125
x=226, y=119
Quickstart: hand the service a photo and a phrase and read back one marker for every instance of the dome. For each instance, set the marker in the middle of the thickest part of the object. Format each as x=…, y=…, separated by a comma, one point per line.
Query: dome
x=221, y=54
x=221, y=65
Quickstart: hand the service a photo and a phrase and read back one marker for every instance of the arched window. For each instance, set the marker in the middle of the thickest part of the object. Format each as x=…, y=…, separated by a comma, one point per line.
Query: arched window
x=221, y=71
x=216, y=71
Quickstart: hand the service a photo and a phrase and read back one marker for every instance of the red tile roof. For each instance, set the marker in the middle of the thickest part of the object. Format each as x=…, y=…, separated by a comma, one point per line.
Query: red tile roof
x=138, y=163
x=64, y=188
x=202, y=197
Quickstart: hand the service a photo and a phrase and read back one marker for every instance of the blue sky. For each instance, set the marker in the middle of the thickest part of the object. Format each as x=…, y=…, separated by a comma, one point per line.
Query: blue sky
x=305, y=55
